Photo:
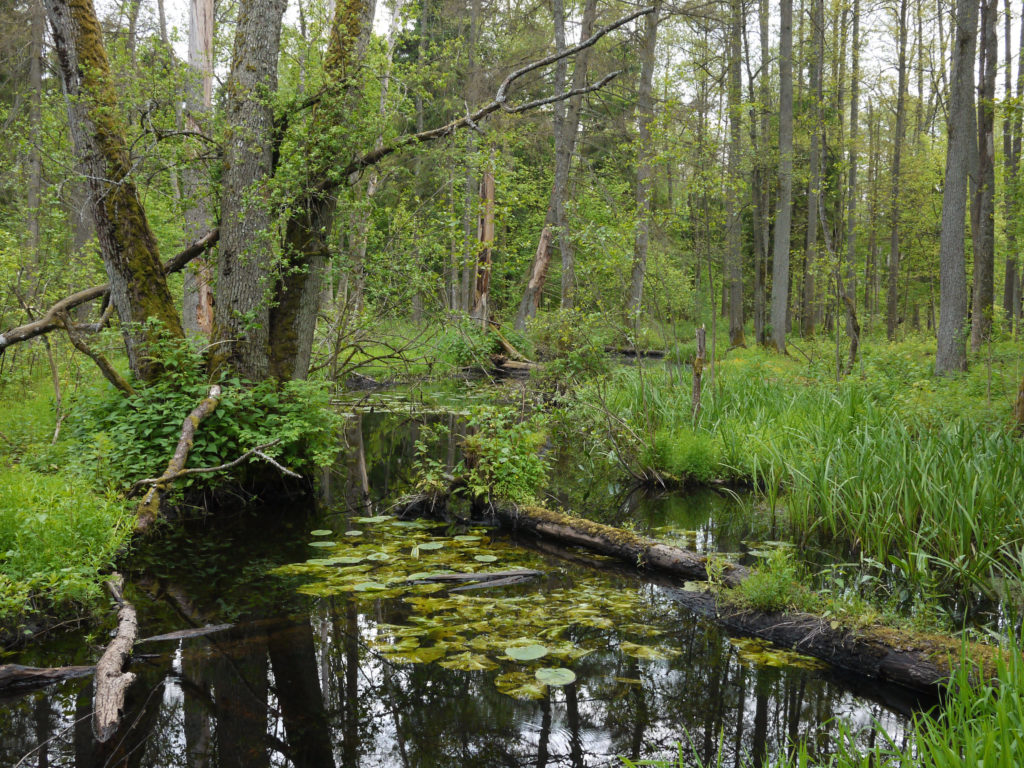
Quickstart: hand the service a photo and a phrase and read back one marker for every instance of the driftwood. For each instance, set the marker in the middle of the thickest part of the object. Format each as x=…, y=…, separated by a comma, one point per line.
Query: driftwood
x=917, y=661
x=17, y=678
x=49, y=321
x=112, y=679
x=149, y=507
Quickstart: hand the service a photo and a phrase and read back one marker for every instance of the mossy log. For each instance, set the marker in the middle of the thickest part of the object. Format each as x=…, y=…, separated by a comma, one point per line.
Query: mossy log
x=920, y=662
x=112, y=678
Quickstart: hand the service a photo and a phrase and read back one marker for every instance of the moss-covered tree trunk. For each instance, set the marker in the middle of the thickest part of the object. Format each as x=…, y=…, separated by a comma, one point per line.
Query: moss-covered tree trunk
x=138, y=287
x=293, y=317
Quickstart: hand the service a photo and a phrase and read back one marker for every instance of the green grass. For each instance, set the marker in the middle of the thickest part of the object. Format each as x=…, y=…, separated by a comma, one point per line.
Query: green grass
x=918, y=473
x=58, y=535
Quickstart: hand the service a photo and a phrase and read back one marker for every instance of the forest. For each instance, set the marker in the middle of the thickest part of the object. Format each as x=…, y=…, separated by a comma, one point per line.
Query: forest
x=451, y=382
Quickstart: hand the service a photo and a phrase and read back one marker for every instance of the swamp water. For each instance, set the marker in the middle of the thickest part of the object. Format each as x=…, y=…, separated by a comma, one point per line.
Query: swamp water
x=342, y=651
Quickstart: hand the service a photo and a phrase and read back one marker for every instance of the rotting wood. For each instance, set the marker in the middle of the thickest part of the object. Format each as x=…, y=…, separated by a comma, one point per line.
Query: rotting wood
x=112, y=678
x=698, y=371
x=17, y=678
x=149, y=507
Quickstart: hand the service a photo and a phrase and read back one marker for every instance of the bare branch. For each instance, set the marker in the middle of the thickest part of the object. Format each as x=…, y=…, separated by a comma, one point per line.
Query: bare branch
x=109, y=372
x=49, y=322
x=501, y=98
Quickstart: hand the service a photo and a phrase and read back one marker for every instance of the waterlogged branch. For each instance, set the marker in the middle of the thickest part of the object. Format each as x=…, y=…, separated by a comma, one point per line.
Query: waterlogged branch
x=112, y=678
x=501, y=98
x=49, y=321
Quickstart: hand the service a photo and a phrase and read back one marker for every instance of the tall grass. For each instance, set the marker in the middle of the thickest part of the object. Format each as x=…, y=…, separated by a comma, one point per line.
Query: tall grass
x=912, y=472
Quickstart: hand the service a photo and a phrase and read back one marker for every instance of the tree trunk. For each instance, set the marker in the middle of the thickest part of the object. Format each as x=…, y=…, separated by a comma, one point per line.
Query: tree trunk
x=197, y=314
x=292, y=319
x=984, y=241
x=892, y=296
x=734, y=223
x=852, y=326
x=951, y=354
x=138, y=288
x=246, y=259
x=784, y=208
x=814, y=183
x=644, y=167
x=566, y=130
x=481, y=308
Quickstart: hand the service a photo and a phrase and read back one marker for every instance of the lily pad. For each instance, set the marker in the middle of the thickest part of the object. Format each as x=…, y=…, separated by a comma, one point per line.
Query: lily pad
x=485, y=558
x=555, y=676
x=353, y=532
x=323, y=543
x=520, y=685
x=346, y=560
x=430, y=545
x=467, y=539
x=374, y=519
x=526, y=652
x=468, y=662
x=643, y=651
x=320, y=532
x=369, y=586
x=379, y=557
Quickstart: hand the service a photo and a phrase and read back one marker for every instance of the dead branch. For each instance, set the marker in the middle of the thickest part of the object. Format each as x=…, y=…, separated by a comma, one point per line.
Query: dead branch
x=48, y=321
x=501, y=98
x=15, y=677
x=112, y=679
x=109, y=372
x=149, y=507
x=257, y=451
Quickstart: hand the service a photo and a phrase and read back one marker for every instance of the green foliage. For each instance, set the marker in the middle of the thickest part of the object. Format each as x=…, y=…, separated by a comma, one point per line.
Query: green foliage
x=125, y=439
x=501, y=457
x=465, y=343
x=773, y=586
x=57, y=537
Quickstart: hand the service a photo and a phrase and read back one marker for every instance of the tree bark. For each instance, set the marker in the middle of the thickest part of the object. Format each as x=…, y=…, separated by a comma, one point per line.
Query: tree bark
x=297, y=291
x=734, y=223
x=481, y=308
x=245, y=263
x=892, y=295
x=807, y=315
x=644, y=169
x=112, y=680
x=138, y=288
x=197, y=312
x=984, y=240
x=951, y=353
x=698, y=373
x=1011, y=164
x=784, y=209
x=850, y=297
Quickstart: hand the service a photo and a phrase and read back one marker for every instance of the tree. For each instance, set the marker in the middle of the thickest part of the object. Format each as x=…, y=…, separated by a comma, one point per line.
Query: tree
x=783, y=210
x=983, y=225
x=892, y=294
x=951, y=353
x=734, y=224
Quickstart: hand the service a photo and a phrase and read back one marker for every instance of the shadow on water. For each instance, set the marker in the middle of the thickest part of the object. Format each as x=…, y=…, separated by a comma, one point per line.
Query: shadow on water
x=301, y=681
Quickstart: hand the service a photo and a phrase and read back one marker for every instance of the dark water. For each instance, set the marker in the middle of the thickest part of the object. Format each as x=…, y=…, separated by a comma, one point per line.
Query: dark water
x=302, y=680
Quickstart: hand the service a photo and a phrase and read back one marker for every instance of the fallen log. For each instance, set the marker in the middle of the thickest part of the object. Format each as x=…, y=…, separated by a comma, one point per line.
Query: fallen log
x=491, y=584
x=921, y=662
x=149, y=508
x=18, y=678
x=112, y=678
x=186, y=634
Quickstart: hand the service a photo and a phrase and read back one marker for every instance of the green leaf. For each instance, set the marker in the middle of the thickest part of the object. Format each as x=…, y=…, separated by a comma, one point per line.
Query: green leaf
x=555, y=676
x=526, y=652
x=431, y=545
x=320, y=532
x=485, y=558
x=323, y=543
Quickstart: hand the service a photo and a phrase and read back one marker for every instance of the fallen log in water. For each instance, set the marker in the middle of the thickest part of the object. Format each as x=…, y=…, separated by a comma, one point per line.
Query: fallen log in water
x=18, y=678
x=918, y=661
x=112, y=678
